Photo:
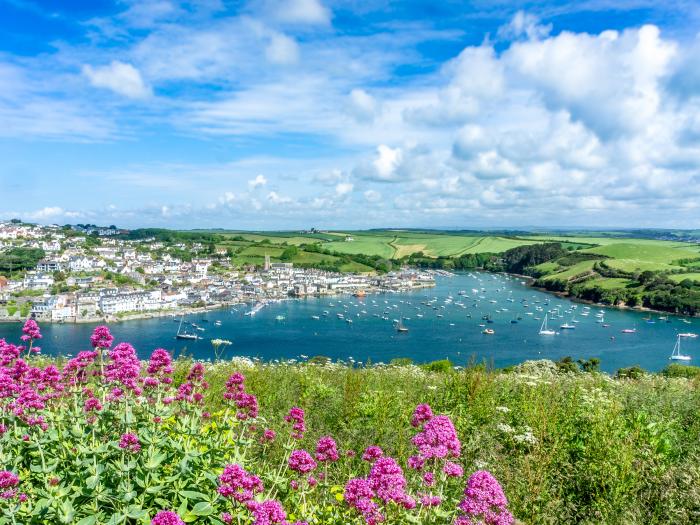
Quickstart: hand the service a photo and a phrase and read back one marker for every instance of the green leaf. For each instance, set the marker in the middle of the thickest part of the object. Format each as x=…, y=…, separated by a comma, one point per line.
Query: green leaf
x=88, y=520
x=203, y=508
x=193, y=495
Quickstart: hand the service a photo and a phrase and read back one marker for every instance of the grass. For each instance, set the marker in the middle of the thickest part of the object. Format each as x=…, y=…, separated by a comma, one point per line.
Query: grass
x=572, y=271
x=641, y=256
x=678, y=277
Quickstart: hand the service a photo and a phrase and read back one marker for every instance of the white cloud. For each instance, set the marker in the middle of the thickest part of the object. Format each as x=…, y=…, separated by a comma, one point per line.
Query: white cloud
x=525, y=24
x=387, y=161
x=343, y=188
x=258, y=182
x=362, y=104
x=282, y=50
x=119, y=77
x=276, y=198
x=300, y=11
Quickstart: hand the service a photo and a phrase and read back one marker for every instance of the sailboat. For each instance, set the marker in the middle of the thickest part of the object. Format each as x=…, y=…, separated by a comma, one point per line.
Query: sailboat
x=676, y=354
x=184, y=335
x=568, y=326
x=544, y=330
x=400, y=326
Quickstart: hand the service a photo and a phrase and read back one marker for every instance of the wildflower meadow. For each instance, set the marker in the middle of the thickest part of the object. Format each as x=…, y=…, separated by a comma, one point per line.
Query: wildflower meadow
x=107, y=438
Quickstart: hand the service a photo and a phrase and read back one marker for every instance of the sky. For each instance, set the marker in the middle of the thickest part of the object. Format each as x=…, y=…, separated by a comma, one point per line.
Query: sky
x=290, y=114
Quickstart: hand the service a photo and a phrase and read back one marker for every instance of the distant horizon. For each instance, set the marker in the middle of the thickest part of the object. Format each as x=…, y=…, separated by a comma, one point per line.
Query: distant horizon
x=594, y=229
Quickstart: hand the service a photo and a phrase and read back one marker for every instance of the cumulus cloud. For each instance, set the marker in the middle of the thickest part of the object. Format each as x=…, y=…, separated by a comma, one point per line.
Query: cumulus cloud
x=344, y=188
x=362, y=105
x=124, y=79
x=258, y=182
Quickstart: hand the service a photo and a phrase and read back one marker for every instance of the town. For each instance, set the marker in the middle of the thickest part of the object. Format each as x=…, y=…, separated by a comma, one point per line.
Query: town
x=84, y=273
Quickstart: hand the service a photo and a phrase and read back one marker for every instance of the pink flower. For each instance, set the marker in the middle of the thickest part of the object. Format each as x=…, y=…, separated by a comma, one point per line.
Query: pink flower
x=130, y=442
x=358, y=494
x=101, y=337
x=453, y=470
x=438, y=439
x=421, y=414
x=371, y=453
x=387, y=481
x=124, y=367
x=92, y=404
x=269, y=512
x=269, y=435
x=301, y=461
x=296, y=417
x=8, y=484
x=238, y=484
x=160, y=366
x=430, y=501
x=31, y=330
x=484, y=500
x=167, y=517
x=428, y=479
x=326, y=449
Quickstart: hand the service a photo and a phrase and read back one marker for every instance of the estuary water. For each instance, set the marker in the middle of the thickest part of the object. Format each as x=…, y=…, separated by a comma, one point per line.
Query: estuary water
x=443, y=322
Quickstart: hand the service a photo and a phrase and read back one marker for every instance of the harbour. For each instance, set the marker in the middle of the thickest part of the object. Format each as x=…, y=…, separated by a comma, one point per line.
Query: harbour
x=475, y=317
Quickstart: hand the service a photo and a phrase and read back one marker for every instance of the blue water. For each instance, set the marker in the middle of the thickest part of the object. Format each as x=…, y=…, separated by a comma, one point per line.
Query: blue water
x=453, y=336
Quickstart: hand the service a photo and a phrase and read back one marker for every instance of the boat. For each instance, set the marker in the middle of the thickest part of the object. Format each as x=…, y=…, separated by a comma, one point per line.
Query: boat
x=544, y=330
x=688, y=334
x=259, y=306
x=488, y=331
x=184, y=335
x=217, y=323
x=567, y=326
x=280, y=318
x=316, y=317
x=629, y=331
x=400, y=326
x=676, y=354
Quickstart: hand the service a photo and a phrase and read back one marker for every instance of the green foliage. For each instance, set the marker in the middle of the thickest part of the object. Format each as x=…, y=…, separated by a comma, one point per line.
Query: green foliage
x=20, y=259
x=677, y=370
x=442, y=366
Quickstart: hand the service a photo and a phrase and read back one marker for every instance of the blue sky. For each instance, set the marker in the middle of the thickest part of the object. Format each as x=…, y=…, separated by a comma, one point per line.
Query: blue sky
x=276, y=114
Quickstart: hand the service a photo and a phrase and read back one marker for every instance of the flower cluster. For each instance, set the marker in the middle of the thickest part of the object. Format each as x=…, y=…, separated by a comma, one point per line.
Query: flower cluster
x=296, y=418
x=167, y=517
x=101, y=337
x=385, y=483
x=437, y=439
x=326, y=449
x=247, y=404
x=238, y=484
x=130, y=442
x=191, y=391
x=301, y=461
x=124, y=367
x=160, y=367
x=484, y=502
x=8, y=484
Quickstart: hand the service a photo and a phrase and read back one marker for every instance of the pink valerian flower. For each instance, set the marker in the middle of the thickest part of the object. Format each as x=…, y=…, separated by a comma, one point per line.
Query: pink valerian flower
x=359, y=495
x=160, y=366
x=438, y=439
x=167, y=517
x=371, y=453
x=453, y=470
x=326, y=449
x=269, y=435
x=301, y=461
x=92, y=404
x=428, y=478
x=416, y=462
x=3, y=428
x=124, y=367
x=76, y=367
x=130, y=442
x=226, y=517
x=8, y=352
x=269, y=512
x=388, y=482
x=38, y=421
x=426, y=500
x=246, y=403
x=238, y=484
x=421, y=414
x=296, y=418
x=30, y=331
x=8, y=484
x=484, y=501
x=191, y=390
x=101, y=337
